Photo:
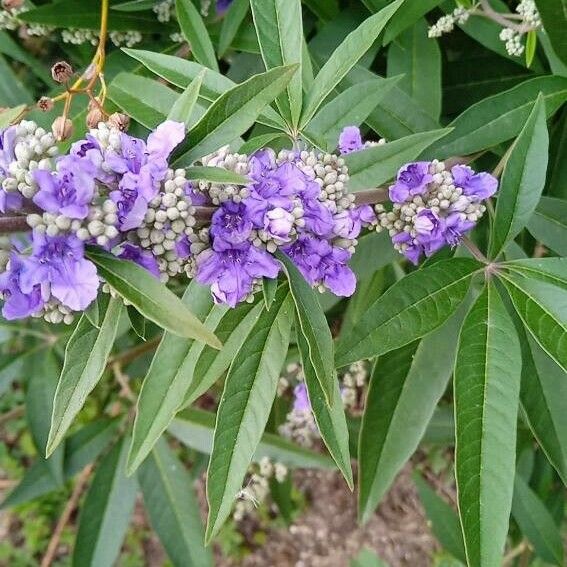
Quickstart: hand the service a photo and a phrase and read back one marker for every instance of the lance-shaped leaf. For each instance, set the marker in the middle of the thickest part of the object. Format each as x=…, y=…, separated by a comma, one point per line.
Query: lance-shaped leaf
x=343, y=59
x=542, y=308
x=279, y=27
x=554, y=16
x=195, y=32
x=85, y=360
x=245, y=405
x=405, y=388
x=548, y=224
x=487, y=388
x=172, y=507
x=10, y=115
x=551, y=270
x=215, y=175
x=331, y=420
x=232, y=20
x=377, y=164
x=314, y=329
x=523, y=180
x=183, y=108
x=234, y=112
x=411, y=308
x=195, y=428
x=150, y=297
x=169, y=377
x=106, y=512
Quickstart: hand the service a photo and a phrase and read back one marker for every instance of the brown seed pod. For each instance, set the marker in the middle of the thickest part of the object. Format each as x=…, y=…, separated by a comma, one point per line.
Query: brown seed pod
x=120, y=121
x=94, y=117
x=62, y=128
x=45, y=104
x=61, y=72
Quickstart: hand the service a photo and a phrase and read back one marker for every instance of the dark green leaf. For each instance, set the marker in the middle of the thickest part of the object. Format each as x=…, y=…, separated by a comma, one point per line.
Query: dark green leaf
x=554, y=17
x=549, y=224
x=269, y=289
x=232, y=20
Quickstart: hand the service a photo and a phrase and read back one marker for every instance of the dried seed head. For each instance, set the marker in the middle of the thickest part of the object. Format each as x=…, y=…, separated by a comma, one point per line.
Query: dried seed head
x=94, y=117
x=120, y=121
x=45, y=104
x=62, y=128
x=61, y=72
x=12, y=4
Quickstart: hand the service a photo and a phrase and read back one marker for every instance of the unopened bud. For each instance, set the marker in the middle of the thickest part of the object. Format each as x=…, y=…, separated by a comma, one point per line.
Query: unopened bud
x=94, y=117
x=45, y=104
x=61, y=72
x=120, y=121
x=62, y=128
x=12, y=4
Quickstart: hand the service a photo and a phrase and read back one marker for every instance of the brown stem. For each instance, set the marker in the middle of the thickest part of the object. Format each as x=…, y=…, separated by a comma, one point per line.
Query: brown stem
x=474, y=250
x=371, y=196
x=130, y=355
x=12, y=414
x=10, y=224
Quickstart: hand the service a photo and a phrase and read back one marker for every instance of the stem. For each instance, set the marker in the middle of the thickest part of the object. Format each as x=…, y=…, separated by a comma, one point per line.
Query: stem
x=371, y=196
x=11, y=224
x=501, y=19
x=474, y=250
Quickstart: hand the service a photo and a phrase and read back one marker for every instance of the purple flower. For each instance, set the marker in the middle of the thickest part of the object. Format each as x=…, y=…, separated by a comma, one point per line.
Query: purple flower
x=132, y=197
x=412, y=179
x=17, y=304
x=430, y=231
x=349, y=223
x=183, y=247
x=161, y=142
x=278, y=223
x=59, y=267
x=70, y=190
x=10, y=201
x=7, y=147
x=456, y=226
x=305, y=256
x=223, y=6
x=412, y=251
x=141, y=257
x=480, y=185
x=231, y=222
x=318, y=218
x=350, y=140
x=301, y=398
x=90, y=149
x=232, y=270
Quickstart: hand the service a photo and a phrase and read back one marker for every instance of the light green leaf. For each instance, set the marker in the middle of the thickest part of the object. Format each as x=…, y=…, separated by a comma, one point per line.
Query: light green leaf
x=523, y=180
x=11, y=115
x=172, y=508
x=235, y=111
x=269, y=289
x=258, y=142
x=195, y=32
x=150, y=297
x=548, y=224
x=347, y=54
x=195, y=428
x=182, y=110
x=232, y=20
x=551, y=270
x=314, y=329
x=86, y=354
x=406, y=16
x=411, y=308
x=405, y=388
x=536, y=523
x=215, y=175
x=244, y=408
x=487, y=388
x=531, y=45
x=377, y=164
x=106, y=511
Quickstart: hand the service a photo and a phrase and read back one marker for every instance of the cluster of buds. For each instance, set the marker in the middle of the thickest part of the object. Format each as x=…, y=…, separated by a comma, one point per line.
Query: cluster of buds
x=446, y=24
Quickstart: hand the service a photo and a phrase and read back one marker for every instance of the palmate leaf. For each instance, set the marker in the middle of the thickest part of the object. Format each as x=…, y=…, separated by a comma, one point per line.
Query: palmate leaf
x=150, y=297
x=355, y=45
x=486, y=389
x=523, y=180
x=405, y=388
x=279, y=27
x=548, y=224
x=106, y=512
x=245, y=405
x=172, y=507
x=234, y=112
x=411, y=308
x=86, y=354
x=551, y=270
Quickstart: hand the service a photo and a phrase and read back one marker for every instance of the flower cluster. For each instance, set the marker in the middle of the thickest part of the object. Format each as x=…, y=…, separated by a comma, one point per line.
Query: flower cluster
x=446, y=24
x=433, y=207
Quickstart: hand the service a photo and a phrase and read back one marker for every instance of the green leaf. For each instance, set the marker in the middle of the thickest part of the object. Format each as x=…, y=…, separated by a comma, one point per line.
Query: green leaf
x=531, y=45
x=215, y=175
x=330, y=420
x=168, y=378
x=314, y=329
x=40, y=392
x=269, y=289
x=418, y=58
x=172, y=507
x=377, y=164
x=106, y=511
x=499, y=118
x=523, y=180
x=350, y=108
x=137, y=322
x=195, y=32
x=444, y=520
x=487, y=388
x=235, y=111
x=548, y=224
x=551, y=270
x=11, y=115
x=195, y=428
x=86, y=354
x=542, y=308
x=150, y=297
x=279, y=27
x=258, y=142
x=232, y=20
x=405, y=388
x=324, y=9
x=536, y=523
x=244, y=408
x=554, y=17
x=182, y=110
x=411, y=308
x=134, y=5
x=406, y=16
x=347, y=54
